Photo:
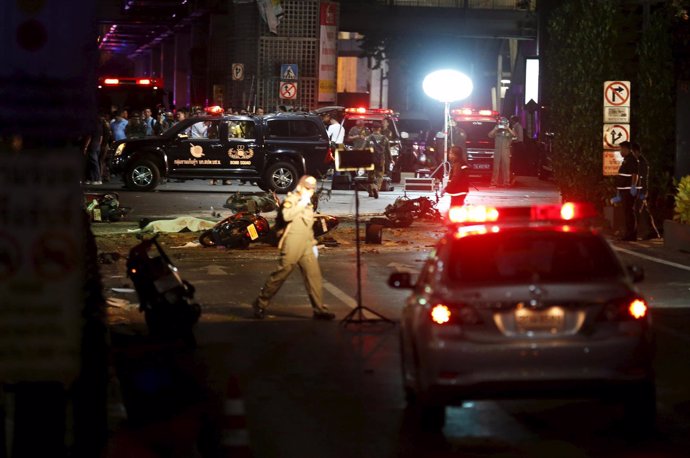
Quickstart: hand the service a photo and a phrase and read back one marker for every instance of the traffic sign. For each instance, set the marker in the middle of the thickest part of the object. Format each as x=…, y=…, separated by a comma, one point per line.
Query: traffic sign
x=288, y=90
x=617, y=93
x=615, y=134
x=237, y=72
x=616, y=115
x=612, y=162
x=288, y=72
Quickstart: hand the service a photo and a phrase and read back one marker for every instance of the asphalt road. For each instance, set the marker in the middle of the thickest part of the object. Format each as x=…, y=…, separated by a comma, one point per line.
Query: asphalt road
x=321, y=389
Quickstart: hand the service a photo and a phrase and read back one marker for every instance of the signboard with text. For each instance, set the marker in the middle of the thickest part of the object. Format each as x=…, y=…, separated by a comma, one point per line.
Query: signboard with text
x=612, y=162
x=328, y=52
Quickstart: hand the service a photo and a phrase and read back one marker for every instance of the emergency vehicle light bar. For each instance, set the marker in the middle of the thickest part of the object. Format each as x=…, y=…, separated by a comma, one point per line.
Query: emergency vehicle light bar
x=472, y=112
x=132, y=81
x=362, y=110
x=473, y=214
x=214, y=110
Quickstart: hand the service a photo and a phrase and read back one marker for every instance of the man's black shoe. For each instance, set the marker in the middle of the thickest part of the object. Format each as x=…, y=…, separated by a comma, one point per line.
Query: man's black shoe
x=259, y=312
x=375, y=193
x=323, y=315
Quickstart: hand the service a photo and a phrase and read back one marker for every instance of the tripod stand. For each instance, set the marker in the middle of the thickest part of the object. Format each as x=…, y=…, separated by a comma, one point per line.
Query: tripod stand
x=356, y=316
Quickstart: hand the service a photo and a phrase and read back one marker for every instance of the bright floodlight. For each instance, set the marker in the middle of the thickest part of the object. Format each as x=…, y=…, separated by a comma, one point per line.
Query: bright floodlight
x=447, y=86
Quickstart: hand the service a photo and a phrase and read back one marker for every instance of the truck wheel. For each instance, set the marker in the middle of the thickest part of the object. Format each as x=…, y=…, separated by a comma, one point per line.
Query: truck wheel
x=281, y=177
x=143, y=175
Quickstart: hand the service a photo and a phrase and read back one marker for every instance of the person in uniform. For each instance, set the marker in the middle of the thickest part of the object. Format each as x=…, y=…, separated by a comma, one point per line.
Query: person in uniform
x=357, y=136
x=626, y=181
x=386, y=129
x=458, y=183
x=297, y=248
x=382, y=156
x=503, y=137
x=645, y=220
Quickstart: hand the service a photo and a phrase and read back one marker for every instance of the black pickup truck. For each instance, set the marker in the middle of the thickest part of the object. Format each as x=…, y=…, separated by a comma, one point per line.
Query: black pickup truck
x=272, y=150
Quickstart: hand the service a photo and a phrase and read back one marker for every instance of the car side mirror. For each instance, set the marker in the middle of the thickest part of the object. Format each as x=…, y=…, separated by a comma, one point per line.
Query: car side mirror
x=400, y=280
x=637, y=273
x=404, y=135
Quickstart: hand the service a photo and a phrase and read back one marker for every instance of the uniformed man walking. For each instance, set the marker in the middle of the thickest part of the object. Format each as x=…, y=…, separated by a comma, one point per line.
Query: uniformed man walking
x=503, y=136
x=297, y=247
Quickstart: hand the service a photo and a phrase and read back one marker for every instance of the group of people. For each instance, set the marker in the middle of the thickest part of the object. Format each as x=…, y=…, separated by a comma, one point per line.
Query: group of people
x=360, y=136
x=631, y=192
x=121, y=124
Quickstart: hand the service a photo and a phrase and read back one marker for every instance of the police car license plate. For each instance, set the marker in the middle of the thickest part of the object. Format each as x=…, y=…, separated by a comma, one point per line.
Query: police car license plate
x=481, y=166
x=550, y=319
x=253, y=234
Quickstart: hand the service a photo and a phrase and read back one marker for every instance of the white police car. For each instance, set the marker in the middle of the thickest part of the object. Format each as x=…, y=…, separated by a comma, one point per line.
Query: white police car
x=525, y=303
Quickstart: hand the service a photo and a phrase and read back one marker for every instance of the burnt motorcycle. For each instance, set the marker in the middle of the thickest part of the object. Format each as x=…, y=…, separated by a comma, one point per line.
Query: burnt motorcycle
x=404, y=211
x=241, y=229
x=164, y=297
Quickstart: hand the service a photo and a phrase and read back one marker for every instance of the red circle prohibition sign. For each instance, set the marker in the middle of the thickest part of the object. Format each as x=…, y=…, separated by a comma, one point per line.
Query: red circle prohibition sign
x=288, y=90
x=611, y=93
x=615, y=143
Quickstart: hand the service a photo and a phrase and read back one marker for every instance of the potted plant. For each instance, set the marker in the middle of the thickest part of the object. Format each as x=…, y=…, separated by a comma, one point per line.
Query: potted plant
x=677, y=231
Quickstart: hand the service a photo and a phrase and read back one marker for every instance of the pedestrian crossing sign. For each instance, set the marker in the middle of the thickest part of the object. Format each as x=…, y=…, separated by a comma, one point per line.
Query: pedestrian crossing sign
x=288, y=72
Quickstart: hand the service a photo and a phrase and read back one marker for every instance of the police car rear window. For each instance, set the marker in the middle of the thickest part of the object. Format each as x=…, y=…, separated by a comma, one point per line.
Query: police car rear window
x=531, y=256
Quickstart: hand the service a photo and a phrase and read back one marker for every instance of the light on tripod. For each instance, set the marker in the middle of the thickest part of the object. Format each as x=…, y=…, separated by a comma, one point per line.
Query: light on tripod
x=351, y=161
x=447, y=86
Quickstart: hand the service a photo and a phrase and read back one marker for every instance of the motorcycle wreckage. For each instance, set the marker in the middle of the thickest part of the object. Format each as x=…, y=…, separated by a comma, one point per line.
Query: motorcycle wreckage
x=164, y=297
x=248, y=226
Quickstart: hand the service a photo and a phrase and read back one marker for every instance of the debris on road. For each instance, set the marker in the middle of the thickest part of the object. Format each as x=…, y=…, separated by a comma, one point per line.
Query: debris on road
x=183, y=223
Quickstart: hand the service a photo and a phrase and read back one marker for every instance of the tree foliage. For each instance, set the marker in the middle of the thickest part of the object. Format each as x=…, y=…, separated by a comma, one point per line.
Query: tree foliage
x=653, y=114
x=577, y=62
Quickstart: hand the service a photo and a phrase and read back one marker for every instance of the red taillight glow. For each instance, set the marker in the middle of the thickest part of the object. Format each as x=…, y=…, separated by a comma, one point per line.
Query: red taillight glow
x=144, y=81
x=440, y=314
x=111, y=81
x=486, y=112
x=638, y=309
x=472, y=214
x=359, y=110
x=568, y=211
x=329, y=156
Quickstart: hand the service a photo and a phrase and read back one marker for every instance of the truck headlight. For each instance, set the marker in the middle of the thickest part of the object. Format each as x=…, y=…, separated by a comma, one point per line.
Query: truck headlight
x=120, y=148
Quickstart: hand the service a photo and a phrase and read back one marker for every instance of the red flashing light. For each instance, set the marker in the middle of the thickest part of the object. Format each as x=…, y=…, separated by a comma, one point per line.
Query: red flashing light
x=360, y=110
x=569, y=211
x=472, y=214
x=111, y=81
x=487, y=113
x=144, y=81
x=214, y=110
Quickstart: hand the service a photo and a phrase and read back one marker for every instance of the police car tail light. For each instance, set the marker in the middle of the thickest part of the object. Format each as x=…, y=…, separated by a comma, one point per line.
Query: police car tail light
x=486, y=112
x=472, y=214
x=358, y=110
x=440, y=314
x=144, y=81
x=625, y=310
x=111, y=81
x=638, y=309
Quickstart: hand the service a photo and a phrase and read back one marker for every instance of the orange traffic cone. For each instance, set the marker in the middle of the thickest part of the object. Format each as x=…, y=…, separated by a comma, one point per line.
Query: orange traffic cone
x=234, y=434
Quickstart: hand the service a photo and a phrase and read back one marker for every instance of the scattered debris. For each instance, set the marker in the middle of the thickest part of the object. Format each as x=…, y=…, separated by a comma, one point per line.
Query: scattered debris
x=109, y=258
